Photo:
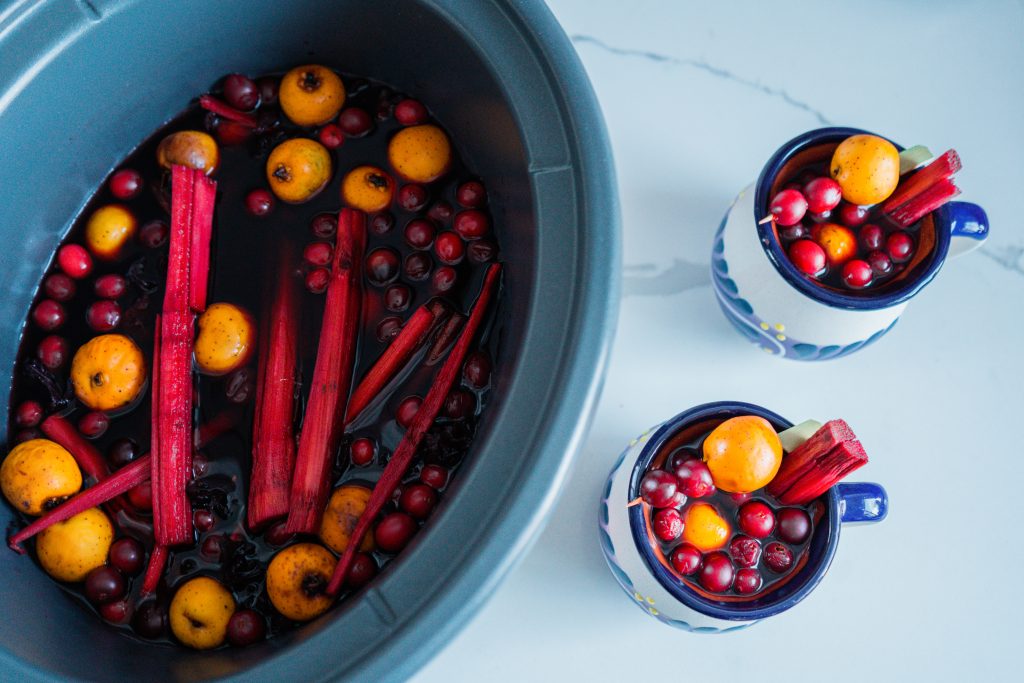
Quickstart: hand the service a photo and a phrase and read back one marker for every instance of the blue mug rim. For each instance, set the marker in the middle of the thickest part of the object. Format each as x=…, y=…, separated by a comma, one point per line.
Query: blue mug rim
x=668, y=580
x=803, y=284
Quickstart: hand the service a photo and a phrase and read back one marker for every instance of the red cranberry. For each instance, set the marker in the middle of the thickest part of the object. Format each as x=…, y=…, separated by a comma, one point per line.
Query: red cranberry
x=53, y=351
x=103, y=315
x=418, y=500
x=331, y=136
x=246, y=627
x=27, y=435
x=808, y=257
x=717, y=573
x=745, y=551
x=318, y=253
x=153, y=234
x=434, y=476
x=104, y=584
x=740, y=498
x=122, y=451
x=899, y=246
x=778, y=557
x=880, y=262
x=127, y=555
x=150, y=620
x=748, y=581
x=686, y=559
x=471, y=224
x=317, y=280
x=141, y=497
x=756, y=519
x=667, y=524
x=857, y=274
x=471, y=194
x=232, y=133
x=788, y=207
x=324, y=225
x=822, y=194
x=852, y=215
x=117, y=612
x=212, y=547
x=658, y=488
x=203, y=520
x=382, y=266
x=419, y=233
x=48, y=315
x=126, y=183
x=382, y=223
x=397, y=298
x=388, y=328
x=74, y=260
x=794, y=525
x=394, y=532
x=477, y=370
x=268, y=89
x=872, y=237
x=59, y=287
x=278, y=534
x=440, y=211
x=694, y=478
x=417, y=266
x=93, y=424
x=794, y=232
x=407, y=410
x=110, y=286
x=449, y=248
x=460, y=404
x=412, y=197
x=362, y=452
x=443, y=279
x=28, y=414
x=410, y=112
x=355, y=122
x=259, y=202
x=362, y=571
x=482, y=251
x=241, y=92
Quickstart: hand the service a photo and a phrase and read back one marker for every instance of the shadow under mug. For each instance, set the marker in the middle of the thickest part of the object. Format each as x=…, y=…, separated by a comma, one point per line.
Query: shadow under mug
x=786, y=313
x=656, y=588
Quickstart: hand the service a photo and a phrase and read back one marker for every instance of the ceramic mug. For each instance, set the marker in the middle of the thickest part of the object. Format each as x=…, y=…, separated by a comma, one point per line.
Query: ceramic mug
x=782, y=310
x=656, y=589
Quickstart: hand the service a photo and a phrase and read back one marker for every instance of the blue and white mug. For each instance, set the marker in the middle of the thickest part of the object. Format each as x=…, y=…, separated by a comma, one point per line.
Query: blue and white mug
x=785, y=313
x=656, y=589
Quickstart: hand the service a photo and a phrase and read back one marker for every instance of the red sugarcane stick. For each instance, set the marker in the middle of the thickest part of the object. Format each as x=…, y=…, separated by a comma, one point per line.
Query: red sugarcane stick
x=428, y=410
x=923, y=204
x=154, y=570
x=828, y=471
x=273, y=443
x=332, y=377
x=204, y=193
x=154, y=420
x=414, y=333
x=445, y=338
x=210, y=103
x=89, y=459
x=941, y=168
x=125, y=479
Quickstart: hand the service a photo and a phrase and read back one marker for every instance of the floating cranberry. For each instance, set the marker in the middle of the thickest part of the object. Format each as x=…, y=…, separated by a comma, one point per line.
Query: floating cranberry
x=362, y=571
x=449, y=248
x=103, y=315
x=418, y=500
x=59, y=287
x=794, y=525
x=317, y=279
x=443, y=279
x=324, y=225
x=388, y=328
x=74, y=260
x=355, y=122
x=667, y=524
x=471, y=224
x=362, y=452
x=318, y=253
x=745, y=551
x=794, y=232
x=852, y=215
x=331, y=136
x=778, y=557
x=24, y=435
x=748, y=581
x=48, y=315
x=246, y=627
x=740, y=498
x=93, y=424
x=110, y=286
x=382, y=266
x=153, y=234
x=717, y=573
x=117, y=612
x=126, y=184
x=212, y=547
x=694, y=478
x=440, y=211
x=756, y=519
x=434, y=476
x=872, y=237
x=28, y=414
x=412, y=197
x=240, y=385
x=417, y=266
x=857, y=274
x=241, y=92
x=686, y=559
x=268, y=86
x=471, y=194
x=899, y=246
x=141, y=497
x=808, y=257
x=150, y=620
x=394, y=532
x=127, y=555
x=788, y=207
x=822, y=194
x=397, y=297
x=477, y=370
x=658, y=488
x=232, y=133
x=259, y=202
x=880, y=262
x=419, y=233
x=410, y=112
x=407, y=410
x=203, y=520
x=278, y=534
x=482, y=251
x=122, y=451
x=104, y=584
x=460, y=404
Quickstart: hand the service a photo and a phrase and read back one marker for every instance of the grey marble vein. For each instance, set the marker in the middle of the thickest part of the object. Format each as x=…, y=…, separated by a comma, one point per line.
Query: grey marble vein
x=677, y=277
x=1010, y=257
x=706, y=67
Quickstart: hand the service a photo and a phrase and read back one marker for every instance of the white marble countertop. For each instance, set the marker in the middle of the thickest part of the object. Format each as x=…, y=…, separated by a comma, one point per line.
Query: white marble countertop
x=696, y=97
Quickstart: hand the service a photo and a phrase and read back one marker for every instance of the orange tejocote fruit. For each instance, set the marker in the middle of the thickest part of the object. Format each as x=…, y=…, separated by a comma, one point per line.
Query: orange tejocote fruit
x=743, y=454
x=420, y=153
x=867, y=168
x=838, y=241
x=341, y=516
x=368, y=189
x=311, y=95
x=108, y=372
x=192, y=148
x=298, y=169
x=704, y=527
x=226, y=339
x=297, y=581
x=108, y=229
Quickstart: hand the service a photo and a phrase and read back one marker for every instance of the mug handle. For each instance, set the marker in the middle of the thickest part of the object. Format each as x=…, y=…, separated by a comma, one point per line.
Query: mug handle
x=862, y=502
x=968, y=225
